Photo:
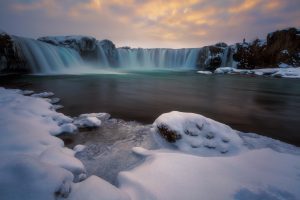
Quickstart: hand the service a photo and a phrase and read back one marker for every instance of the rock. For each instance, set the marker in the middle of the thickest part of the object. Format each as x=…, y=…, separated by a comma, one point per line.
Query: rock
x=168, y=134
x=10, y=59
x=280, y=47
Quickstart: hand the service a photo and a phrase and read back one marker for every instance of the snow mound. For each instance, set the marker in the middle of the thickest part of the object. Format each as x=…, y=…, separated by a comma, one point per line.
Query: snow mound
x=256, y=174
x=196, y=134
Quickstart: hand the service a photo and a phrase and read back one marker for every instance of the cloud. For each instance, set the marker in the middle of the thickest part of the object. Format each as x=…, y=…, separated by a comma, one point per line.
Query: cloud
x=153, y=23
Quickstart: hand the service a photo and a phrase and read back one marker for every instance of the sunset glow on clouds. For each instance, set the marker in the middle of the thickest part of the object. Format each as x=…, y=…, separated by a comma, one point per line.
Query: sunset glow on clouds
x=150, y=23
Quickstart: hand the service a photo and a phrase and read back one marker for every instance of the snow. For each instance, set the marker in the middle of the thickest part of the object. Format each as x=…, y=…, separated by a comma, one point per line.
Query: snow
x=284, y=71
x=200, y=135
x=95, y=188
x=204, y=72
x=77, y=42
x=68, y=128
x=283, y=65
x=25, y=177
x=34, y=164
x=43, y=94
x=27, y=127
x=256, y=174
x=101, y=116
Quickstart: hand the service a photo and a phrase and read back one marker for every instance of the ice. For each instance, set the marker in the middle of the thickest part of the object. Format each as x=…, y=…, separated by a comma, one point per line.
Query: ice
x=173, y=175
x=79, y=148
x=196, y=134
x=204, y=72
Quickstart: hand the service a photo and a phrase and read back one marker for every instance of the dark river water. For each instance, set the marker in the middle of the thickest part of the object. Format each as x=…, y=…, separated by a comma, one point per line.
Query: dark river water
x=267, y=106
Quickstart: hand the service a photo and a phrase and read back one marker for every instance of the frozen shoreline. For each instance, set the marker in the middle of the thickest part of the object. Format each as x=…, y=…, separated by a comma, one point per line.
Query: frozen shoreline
x=284, y=72
x=30, y=145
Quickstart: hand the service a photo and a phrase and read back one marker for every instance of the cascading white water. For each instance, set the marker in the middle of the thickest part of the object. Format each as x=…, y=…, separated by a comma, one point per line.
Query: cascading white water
x=43, y=57
x=157, y=58
x=46, y=58
x=227, y=58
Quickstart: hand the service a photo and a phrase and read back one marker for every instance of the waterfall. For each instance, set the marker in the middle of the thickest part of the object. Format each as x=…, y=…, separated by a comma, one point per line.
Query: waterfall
x=43, y=57
x=227, y=58
x=46, y=58
x=157, y=58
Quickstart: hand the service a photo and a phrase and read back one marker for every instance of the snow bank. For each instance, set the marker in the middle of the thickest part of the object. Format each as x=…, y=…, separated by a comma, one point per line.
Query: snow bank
x=257, y=174
x=27, y=127
x=34, y=164
x=196, y=134
x=284, y=71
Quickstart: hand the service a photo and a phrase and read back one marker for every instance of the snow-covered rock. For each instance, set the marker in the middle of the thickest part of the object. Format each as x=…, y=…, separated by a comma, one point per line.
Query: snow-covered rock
x=79, y=43
x=87, y=122
x=196, y=134
x=101, y=116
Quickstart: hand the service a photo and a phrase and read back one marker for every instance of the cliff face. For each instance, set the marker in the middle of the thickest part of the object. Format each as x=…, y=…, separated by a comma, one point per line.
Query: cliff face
x=279, y=47
x=10, y=61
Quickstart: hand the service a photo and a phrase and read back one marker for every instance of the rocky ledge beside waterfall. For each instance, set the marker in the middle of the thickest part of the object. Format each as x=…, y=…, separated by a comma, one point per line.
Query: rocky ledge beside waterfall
x=48, y=54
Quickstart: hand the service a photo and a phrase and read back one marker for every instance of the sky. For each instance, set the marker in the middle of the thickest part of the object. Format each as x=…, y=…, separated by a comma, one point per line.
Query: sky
x=150, y=23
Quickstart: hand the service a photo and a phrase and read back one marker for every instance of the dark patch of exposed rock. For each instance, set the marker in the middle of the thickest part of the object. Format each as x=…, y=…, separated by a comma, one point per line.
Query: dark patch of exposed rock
x=10, y=61
x=210, y=57
x=280, y=47
x=169, y=135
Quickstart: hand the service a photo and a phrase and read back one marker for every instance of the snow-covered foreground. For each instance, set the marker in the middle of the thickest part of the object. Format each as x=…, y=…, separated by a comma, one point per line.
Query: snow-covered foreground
x=34, y=163
x=205, y=159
